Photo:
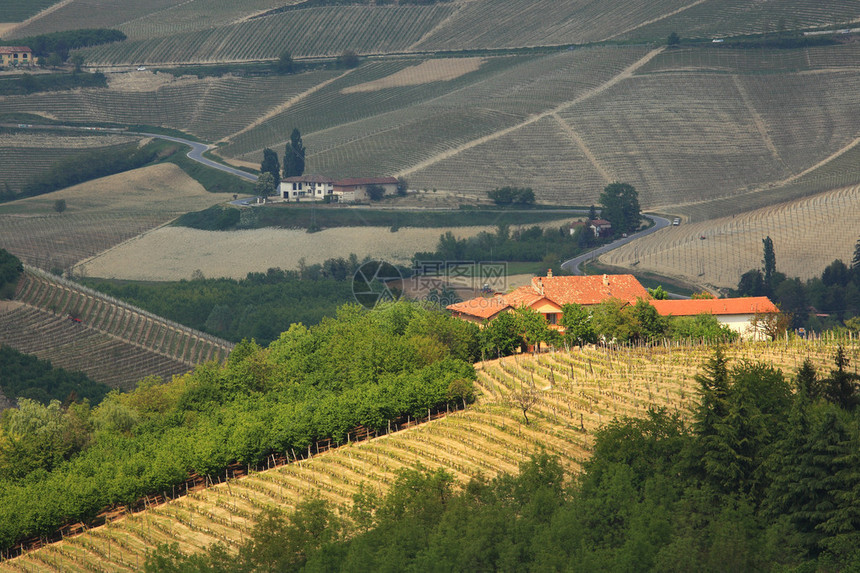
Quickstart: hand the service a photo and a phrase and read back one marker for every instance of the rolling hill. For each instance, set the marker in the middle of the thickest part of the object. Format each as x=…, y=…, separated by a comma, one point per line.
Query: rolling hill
x=576, y=392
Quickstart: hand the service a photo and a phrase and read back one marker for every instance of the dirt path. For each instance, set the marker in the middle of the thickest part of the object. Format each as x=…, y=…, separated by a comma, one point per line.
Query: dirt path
x=625, y=74
x=657, y=19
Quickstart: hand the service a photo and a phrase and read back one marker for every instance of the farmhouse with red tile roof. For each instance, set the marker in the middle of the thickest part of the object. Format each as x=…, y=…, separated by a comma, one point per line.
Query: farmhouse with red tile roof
x=736, y=313
x=548, y=294
x=16, y=56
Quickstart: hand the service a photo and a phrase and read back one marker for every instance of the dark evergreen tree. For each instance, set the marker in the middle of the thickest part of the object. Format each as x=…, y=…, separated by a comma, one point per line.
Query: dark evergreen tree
x=768, y=264
x=294, y=155
x=270, y=164
x=841, y=387
x=806, y=382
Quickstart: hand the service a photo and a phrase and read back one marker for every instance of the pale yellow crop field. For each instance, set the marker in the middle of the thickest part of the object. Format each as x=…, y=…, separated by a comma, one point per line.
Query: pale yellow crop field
x=423, y=73
x=808, y=234
x=174, y=253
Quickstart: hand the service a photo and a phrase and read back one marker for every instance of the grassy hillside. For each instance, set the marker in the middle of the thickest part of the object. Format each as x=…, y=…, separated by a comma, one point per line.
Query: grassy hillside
x=576, y=392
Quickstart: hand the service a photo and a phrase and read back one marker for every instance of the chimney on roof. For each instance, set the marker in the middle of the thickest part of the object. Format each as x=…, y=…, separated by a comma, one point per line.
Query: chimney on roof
x=540, y=286
x=549, y=273
x=605, y=280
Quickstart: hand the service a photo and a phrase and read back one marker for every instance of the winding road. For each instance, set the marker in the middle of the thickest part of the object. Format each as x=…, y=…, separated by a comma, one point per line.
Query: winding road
x=575, y=263
x=196, y=154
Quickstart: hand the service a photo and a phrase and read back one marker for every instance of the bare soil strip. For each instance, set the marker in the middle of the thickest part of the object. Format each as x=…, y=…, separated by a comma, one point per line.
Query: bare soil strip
x=623, y=75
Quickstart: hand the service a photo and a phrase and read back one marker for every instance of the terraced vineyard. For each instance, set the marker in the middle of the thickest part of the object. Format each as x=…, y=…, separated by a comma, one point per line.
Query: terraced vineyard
x=736, y=17
x=542, y=22
x=23, y=155
x=112, y=342
x=716, y=252
x=363, y=29
x=576, y=392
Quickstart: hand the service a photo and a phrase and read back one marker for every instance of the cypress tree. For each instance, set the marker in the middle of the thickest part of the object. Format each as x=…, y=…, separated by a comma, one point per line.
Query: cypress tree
x=294, y=155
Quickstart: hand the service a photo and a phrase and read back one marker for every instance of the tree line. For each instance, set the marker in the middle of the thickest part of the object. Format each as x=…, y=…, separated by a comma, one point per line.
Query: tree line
x=34, y=83
x=10, y=272
x=613, y=321
x=362, y=368
x=26, y=376
x=60, y=43
x=760, y=479
x=836, y=292
x=260, y=306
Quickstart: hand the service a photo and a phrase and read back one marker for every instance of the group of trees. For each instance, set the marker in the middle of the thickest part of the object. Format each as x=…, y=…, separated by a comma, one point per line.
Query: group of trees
x=87, y=166
x=10, y=271
x=270, y=168
x=364, y=368
x=259, y=306
x=533, y=244
x=611, y=321
x=620, y=202
x=763, y=479
x=836, y=292
x=512, y=196
x=26, y=376
x=53, y=49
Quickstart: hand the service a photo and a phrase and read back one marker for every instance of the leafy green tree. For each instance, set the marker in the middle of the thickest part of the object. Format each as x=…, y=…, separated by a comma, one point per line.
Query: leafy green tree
x=402, y=186
x=285, y=63
x=265, y=185
x=673, y=40
x=348, y=59
x=532, y=326
x=703, y=326
x=294, y=155
x=501, y=336
x=375, y=192
x=612, y=322
x=512, y=195
x=650, y=325
x=10, y=271
x=577, y=324
x=752, y=283
x=60, y=205
x=271, y=165
x=620, y=206
x=658, y=293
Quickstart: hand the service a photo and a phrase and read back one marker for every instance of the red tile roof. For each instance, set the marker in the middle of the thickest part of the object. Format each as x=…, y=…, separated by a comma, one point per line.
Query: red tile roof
x=559, y=290
x=480, y=307
x=14, y=49
x=590, y=290
x=720, y=306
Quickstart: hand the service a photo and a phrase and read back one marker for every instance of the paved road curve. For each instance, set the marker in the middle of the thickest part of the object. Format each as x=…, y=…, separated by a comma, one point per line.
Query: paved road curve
x=574, y=264
x=196, y=154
